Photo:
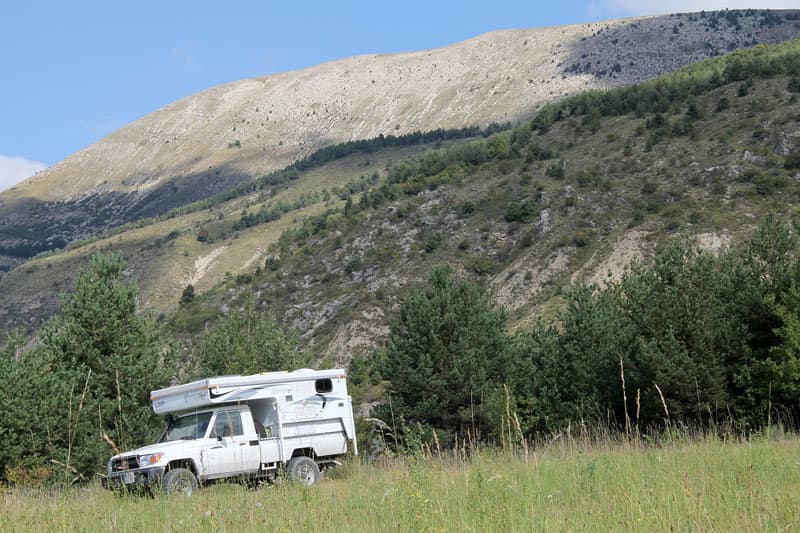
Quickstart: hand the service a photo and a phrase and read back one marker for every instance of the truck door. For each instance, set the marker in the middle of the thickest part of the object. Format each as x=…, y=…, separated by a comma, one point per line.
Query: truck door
x=234, y=450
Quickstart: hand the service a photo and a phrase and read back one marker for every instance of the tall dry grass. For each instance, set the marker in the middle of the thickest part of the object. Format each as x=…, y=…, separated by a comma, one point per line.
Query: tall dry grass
x=574, y=480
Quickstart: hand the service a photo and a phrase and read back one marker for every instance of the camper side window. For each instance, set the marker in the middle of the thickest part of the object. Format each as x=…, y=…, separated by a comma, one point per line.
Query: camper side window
x=227, y=424
x=323, y=386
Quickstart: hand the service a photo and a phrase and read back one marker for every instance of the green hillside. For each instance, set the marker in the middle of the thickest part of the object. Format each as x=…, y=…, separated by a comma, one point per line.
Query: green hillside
x=570, y=197
x=330, y=243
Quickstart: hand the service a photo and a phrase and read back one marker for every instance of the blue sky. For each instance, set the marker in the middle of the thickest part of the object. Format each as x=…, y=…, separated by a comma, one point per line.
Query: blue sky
x=74, y=72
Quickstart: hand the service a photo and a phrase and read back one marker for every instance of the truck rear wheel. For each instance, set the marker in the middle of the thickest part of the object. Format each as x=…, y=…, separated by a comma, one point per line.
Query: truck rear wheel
x=304, y=470
x=179, y=481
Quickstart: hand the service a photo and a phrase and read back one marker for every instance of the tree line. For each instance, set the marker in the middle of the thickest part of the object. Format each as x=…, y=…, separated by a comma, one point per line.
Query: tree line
x=659, y=94
x=695, y=337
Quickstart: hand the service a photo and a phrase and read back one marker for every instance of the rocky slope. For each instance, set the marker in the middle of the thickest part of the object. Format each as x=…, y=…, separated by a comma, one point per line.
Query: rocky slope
x=210, y=141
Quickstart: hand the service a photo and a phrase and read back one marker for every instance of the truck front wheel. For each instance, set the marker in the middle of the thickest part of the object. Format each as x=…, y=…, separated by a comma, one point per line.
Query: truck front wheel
x=179, y=481
x=304, y=470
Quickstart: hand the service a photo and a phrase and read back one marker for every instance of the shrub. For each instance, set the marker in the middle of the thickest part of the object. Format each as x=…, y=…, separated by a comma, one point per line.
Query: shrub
x=581, y=238
x=187, y=296
x=522, y=211
x=649, y=187
x=555, y=171
x=694, y=112
x=792, y=161
x=433, y=242
x=466, y=209
x=481, y=265
x=767, y=184
x=742, y=90
x=243, y=278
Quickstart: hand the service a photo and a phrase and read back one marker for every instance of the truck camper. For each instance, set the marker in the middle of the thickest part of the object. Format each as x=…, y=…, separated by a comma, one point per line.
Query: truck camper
x=253, y=427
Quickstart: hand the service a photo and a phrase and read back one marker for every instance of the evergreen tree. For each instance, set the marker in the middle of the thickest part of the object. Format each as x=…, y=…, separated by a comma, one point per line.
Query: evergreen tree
x=87, y=384
x=717, y=333
x=447, y=353
x=187, y=296
x=33, y=399
x=246, y=341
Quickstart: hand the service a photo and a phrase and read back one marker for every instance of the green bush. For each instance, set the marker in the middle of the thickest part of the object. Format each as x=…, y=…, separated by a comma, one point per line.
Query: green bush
x=555, y=171
x=187, y=296
x=769, y=183
x=792, y=161
x=481, y=265
x=522, y=211
x=581, y=238
x=433, y=242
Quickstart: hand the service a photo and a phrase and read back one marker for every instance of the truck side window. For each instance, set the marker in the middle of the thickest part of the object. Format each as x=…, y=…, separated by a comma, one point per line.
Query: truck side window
x=260, y=429
x=323, y=386
x=227, y=424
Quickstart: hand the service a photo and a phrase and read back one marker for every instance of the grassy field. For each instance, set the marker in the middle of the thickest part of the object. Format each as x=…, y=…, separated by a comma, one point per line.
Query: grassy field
x=707, y=484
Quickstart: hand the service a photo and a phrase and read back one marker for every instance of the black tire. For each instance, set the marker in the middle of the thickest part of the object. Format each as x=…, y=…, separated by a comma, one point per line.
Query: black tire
x=179, y=481
x=304, y=470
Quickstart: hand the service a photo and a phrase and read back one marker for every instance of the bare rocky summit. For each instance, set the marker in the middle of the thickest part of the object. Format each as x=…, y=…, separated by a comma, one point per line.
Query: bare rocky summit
x=213, y=140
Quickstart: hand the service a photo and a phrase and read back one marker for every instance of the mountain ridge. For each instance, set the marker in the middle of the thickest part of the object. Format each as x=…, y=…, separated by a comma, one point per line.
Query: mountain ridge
x=205, y=143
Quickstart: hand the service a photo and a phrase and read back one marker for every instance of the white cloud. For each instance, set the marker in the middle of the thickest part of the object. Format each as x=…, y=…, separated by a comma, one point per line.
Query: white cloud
x=660, y=7
x=15, y=169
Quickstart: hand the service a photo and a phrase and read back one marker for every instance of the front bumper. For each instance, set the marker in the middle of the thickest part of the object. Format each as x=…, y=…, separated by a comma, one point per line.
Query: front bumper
x=134, y=479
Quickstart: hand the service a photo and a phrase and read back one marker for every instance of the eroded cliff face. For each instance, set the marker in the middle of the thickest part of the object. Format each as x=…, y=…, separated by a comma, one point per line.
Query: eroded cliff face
x=210, y=141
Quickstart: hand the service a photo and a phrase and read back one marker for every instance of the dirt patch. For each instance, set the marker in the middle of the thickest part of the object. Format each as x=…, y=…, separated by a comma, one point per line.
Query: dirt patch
x=203, y=263
x=629, y=248
x=713, y=242
x=253, y=258
x=522, y=282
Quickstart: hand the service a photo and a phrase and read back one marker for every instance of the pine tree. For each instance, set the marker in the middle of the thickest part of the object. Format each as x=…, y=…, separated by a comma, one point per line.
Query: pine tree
x=108, y=359
x=246, y=341
x=187, y=296
x=447, y=352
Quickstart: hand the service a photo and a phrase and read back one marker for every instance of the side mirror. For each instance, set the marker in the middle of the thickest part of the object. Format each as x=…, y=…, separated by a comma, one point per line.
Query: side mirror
x=219, y=438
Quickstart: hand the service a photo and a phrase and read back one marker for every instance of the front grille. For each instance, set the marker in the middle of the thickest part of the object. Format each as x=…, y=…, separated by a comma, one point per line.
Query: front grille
x=124, y=463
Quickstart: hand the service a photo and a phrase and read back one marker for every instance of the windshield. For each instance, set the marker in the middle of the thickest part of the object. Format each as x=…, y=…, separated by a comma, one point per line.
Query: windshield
x=192, y=426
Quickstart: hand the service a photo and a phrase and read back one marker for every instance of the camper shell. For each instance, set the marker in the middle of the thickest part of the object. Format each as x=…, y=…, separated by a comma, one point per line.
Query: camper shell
x=252, y=427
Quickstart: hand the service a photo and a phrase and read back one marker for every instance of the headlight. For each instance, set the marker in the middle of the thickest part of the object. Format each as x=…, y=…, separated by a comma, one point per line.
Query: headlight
x=150, y=459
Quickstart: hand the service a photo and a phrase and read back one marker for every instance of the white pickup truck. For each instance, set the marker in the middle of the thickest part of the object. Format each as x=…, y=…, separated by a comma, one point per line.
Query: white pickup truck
x=243, y=427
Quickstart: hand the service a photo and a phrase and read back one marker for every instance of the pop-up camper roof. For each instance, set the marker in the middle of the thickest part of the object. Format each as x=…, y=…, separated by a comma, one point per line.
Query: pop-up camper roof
x=226, y=389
